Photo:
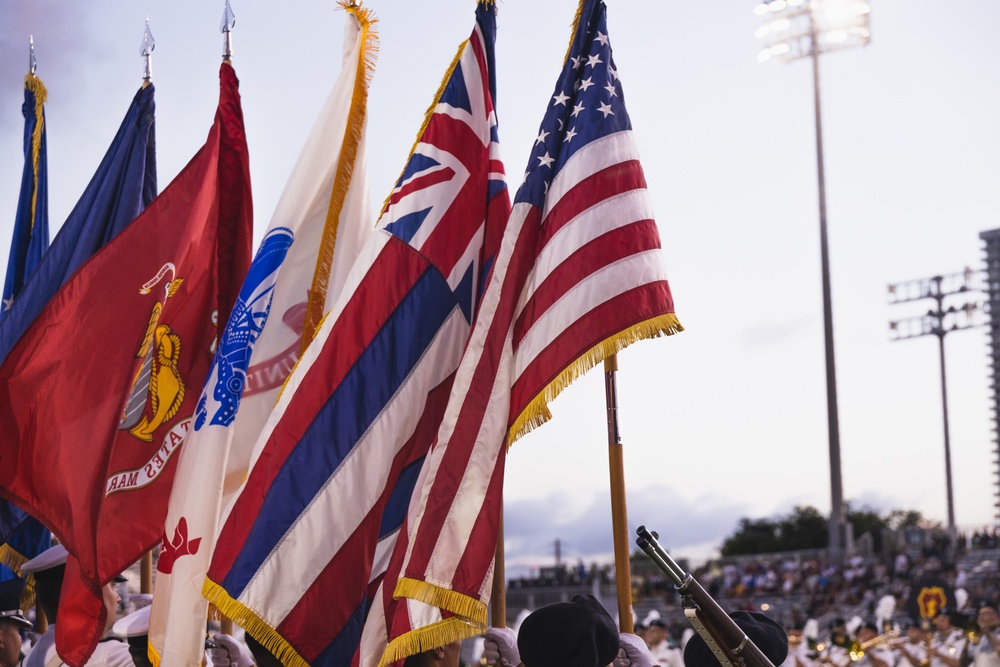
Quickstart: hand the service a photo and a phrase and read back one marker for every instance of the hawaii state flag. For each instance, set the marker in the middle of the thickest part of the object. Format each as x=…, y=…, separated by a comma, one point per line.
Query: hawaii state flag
x=305, y=545
x=321, y=221
x=98, y=394
x=579, y=276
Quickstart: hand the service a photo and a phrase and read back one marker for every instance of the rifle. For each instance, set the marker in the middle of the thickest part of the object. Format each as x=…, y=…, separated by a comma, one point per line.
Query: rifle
x=727, y=640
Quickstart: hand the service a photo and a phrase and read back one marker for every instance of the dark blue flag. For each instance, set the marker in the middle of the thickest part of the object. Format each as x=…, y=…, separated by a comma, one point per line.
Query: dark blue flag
x=23, y=537
x=122, y=186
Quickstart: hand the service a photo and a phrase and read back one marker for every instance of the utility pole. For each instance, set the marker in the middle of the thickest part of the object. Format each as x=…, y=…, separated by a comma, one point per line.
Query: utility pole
x=939, y=322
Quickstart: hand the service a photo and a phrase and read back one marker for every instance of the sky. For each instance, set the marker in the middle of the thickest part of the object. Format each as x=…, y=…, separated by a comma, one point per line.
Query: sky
x=727, y=419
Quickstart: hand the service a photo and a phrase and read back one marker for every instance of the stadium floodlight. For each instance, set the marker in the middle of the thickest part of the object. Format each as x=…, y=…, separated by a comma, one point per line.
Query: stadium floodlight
x=794, y=29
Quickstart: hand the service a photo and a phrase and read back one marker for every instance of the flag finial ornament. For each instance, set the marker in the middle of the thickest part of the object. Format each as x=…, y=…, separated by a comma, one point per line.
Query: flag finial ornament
x=146, y=51
x=226, y=27
x=32, y=62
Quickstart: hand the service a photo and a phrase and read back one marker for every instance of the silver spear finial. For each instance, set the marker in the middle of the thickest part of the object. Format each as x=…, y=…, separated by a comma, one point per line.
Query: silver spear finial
x=32, y=63
x=146, y=51
x=228, y=21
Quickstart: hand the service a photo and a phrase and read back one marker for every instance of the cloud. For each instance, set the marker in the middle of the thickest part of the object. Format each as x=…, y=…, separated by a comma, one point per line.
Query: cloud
x=61, y=37
x=582, y=524
x=767, y=333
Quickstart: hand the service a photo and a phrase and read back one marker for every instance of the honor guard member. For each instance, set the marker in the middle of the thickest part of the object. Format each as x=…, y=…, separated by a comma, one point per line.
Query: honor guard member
x=768, y=636
x=12, y=622
x=948, y=641
x=578, y=633
x=49, y=568
x=984, y=650
x=874, y=654
x=135, y=630
x=912, y=649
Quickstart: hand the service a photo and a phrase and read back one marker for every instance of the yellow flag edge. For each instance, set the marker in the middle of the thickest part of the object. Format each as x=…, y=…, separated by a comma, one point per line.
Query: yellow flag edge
x=37, y=88
x=470, y=620
x=345, y=167
x=252, y=623
x=537, y=412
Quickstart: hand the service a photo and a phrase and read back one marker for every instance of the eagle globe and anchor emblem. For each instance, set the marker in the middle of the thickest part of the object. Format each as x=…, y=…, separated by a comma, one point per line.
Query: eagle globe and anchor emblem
x=157, y=390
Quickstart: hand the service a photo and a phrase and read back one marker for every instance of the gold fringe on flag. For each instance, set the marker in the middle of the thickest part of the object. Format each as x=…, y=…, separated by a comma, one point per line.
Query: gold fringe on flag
x=430, y=637
x=345, y=167
x=37, y=88
x=573, y=27
x=250, y=621
x=445, y=598
x=537, y=412
x=469, y=621
x=14, y=560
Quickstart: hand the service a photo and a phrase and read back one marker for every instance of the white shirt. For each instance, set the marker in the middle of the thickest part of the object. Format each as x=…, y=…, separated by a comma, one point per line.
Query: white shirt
x=109, y=653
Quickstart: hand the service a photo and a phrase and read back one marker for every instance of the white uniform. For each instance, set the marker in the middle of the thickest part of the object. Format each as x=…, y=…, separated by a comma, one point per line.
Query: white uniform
x=798, y=656
x=983, y=654
x=951, y=645
x=665, y=655
x=109, y=653
x=918, y=650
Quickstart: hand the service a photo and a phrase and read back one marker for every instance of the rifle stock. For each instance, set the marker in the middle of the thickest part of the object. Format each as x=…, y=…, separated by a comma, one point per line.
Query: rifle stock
x=724, y=637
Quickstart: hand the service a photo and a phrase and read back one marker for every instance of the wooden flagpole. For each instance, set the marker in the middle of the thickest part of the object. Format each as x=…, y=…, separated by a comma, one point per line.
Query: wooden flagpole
x=146, y=573
x=498, y=596
x=619, y=518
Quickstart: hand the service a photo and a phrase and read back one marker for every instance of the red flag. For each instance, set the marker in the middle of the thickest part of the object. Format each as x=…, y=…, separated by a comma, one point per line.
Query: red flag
x=96, y=398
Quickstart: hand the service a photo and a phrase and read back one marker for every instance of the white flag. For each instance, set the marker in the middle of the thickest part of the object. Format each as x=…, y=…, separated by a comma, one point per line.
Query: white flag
x=323, y=218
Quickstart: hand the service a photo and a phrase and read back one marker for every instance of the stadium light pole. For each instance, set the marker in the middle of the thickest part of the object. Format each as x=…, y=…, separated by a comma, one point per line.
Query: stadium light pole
x=938, y=322
x=796, y=29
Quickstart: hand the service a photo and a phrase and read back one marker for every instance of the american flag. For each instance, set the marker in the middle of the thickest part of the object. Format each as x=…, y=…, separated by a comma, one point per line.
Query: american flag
x=308, y=539
x=579, y=276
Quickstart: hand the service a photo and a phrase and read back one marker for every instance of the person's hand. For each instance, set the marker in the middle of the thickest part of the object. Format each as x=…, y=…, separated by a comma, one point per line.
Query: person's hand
x=633, y=652
x=228, y=653
x=500, y=647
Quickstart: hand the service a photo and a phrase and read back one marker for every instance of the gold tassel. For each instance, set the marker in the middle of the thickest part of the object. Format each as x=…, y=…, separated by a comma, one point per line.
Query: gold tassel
x=436, y=596
x=430, y=637
x=345, y=169
x=37, y=88
x=575, y=25
x=537, y=412
x=252, y=623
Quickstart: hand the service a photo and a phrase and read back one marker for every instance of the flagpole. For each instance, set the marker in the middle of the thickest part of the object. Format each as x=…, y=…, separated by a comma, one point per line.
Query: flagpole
x=146, y=573
x=619, y=518
x=498, y=596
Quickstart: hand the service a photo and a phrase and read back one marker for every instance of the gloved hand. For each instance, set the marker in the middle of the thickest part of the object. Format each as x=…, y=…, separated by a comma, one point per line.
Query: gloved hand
x=500, y=647
x=633, y=652
x=228, y=653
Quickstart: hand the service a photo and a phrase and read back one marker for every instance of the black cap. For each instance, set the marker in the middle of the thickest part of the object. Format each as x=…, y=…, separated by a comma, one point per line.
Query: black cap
x=837, y=621
x=769, y=637
x=871, y=626
x=10, y=601
x=579, y=633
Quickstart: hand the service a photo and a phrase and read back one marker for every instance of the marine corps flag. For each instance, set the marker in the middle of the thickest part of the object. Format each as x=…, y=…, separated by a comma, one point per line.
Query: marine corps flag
x=98, y=395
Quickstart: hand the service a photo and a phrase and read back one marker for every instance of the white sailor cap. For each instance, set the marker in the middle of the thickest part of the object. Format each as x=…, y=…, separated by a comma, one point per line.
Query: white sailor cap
x=46, y=560
x=135, y=624
x=10, y=599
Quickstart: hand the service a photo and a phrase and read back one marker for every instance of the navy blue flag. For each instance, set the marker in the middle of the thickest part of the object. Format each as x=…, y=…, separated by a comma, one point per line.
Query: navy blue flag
x=122, y=186
x=23, y=537
x=31, y=226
